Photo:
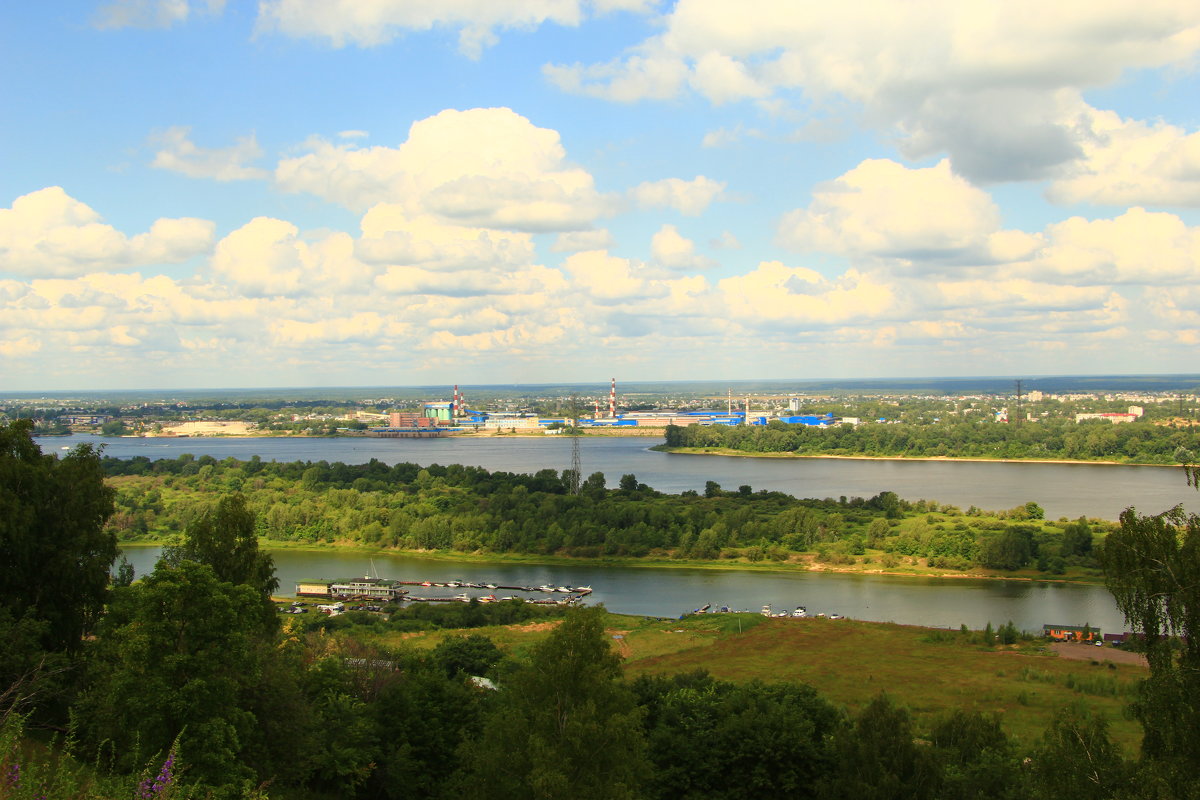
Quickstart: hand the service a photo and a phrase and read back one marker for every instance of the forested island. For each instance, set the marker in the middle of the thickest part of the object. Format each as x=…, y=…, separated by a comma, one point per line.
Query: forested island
x=1058, y=439
x=187, y=683
x=469, y=510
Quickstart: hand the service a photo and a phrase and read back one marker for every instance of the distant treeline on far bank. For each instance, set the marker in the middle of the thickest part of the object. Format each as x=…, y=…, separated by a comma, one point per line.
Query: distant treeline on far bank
x=470, y=510
x=1141, y=442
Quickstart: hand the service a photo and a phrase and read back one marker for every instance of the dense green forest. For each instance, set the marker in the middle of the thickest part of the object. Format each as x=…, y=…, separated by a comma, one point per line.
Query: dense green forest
x=1140, y=442
x=186, y=684
x=471, y=510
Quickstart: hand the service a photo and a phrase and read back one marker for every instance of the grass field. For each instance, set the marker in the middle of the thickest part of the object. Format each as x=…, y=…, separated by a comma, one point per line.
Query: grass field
x=929, y=671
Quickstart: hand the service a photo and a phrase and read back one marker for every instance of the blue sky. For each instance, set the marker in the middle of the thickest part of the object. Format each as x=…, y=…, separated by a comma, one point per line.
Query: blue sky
x=199, y=193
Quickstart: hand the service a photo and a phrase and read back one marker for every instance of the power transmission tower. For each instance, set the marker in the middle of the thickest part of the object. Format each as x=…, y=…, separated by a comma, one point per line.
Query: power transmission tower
x=576, y=470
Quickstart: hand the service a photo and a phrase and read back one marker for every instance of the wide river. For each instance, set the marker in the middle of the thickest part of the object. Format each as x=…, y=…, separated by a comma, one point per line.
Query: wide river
x=1066, y=490
x=668, y=592
x=1063, y=490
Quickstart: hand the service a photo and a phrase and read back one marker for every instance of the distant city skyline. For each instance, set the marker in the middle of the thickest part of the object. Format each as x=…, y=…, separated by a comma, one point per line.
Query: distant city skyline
x=328, y=193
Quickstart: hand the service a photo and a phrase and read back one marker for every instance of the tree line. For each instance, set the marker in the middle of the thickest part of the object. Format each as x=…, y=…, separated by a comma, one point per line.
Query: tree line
x=1141, y=442
x=469, y=509
x=185, y=683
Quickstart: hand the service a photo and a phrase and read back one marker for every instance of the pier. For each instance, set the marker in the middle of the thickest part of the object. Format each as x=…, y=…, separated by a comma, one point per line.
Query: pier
x=369, y=588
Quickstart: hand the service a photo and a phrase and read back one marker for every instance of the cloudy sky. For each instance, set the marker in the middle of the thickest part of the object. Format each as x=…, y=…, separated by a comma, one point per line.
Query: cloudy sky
x=208, y=193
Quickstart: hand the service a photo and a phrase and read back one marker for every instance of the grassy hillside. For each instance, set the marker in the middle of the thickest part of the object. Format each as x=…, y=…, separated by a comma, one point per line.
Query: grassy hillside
x=928, y=670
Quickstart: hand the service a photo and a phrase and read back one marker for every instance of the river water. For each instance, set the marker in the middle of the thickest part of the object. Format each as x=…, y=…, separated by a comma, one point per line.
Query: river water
x=1063, y=490
x=1066, y=490
x=668, y=592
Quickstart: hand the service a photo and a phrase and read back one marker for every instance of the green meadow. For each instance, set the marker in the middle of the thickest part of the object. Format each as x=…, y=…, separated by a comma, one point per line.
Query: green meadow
x=929, y=671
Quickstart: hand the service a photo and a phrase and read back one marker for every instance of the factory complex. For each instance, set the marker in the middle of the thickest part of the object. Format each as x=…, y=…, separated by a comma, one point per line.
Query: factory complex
x=454, y=416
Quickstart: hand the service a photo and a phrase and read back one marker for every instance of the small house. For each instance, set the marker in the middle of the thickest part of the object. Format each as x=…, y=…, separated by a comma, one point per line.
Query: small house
x=312, y=589
x=1071, y=633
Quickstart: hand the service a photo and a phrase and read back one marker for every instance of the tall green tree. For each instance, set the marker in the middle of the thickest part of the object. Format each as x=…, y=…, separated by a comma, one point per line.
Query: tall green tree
x=1152, y=567
x=1077, y=760
x=55, y=553
x=878, y=759
x=178, y=655
x=977, y=760
x=1077, y=538
x=757, y=739
x=225, y=538
x=565, y=725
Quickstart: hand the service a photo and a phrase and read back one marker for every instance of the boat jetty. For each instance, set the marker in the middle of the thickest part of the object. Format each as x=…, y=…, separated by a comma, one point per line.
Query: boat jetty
x=398, y=591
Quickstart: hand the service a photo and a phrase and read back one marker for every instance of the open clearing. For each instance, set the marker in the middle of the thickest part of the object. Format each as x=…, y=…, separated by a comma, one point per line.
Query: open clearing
x=930, y=671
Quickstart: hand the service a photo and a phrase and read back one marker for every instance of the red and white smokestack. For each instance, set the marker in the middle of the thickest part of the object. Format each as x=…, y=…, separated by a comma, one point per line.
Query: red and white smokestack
x=612, y=399
x=454, y=407
x=596, y=413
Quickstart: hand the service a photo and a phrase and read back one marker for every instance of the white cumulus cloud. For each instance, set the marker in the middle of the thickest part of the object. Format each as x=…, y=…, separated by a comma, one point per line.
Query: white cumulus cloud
x=994, y=86
x=267, y=257
x=177, y=153
x=778, y=296
x=391, y=237
x=690, y=198
x=368, y=23
x=672, y=250
x=50, y=233
x=1130, y=162
x=1139, y=246
x=484, y=167
x=153, y=13
x=884, y=209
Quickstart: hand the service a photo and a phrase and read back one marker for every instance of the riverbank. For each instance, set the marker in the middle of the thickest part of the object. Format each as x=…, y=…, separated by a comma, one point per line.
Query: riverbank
x=730, y=452
x=243, y=430
x=800, y=562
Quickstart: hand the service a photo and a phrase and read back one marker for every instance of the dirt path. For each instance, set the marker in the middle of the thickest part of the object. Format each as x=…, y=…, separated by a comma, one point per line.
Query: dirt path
x=1089, y=652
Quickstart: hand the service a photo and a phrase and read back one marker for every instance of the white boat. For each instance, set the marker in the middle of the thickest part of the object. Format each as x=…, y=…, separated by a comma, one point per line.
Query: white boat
x=800, y=611
x=836, y=616
x=766, y=610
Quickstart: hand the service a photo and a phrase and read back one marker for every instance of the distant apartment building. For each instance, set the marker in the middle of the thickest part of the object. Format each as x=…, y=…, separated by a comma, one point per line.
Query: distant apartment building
x=1135, y=412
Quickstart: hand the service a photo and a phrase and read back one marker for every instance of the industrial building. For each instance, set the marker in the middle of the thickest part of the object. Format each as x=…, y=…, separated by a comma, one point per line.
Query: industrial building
x=441, y=417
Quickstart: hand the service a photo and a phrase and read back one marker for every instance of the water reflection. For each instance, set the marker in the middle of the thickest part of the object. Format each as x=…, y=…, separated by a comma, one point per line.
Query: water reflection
x=668, y=592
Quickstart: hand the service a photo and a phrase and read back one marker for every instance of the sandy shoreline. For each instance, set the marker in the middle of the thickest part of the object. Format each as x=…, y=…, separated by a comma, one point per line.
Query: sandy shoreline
x=691, y=451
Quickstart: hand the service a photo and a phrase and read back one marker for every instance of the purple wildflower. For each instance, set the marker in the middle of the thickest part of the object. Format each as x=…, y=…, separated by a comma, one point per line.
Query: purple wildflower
x=149, y=788
x=12, y=776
